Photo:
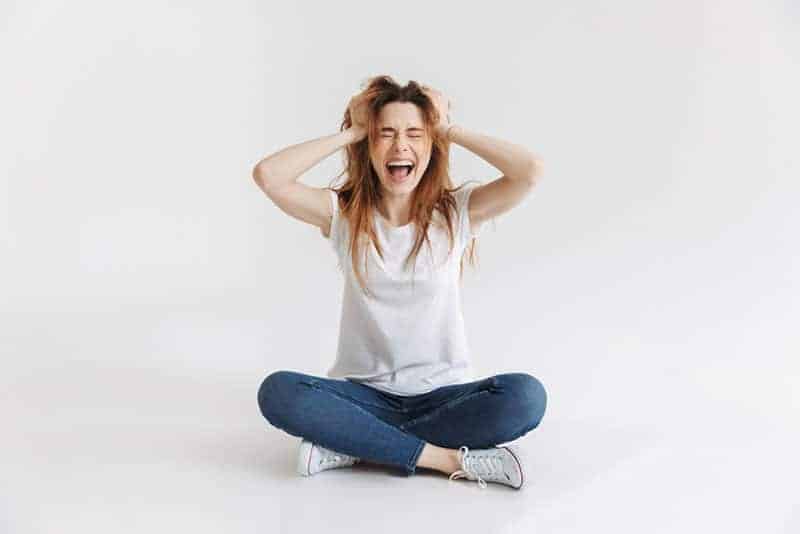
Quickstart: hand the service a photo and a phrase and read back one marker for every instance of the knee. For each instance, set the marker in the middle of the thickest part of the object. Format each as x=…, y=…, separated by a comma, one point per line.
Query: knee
x=275, y=395
x=528, y=396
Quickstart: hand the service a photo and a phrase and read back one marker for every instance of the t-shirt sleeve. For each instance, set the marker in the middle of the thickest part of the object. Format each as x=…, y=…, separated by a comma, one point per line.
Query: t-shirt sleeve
x=334, y=237
x=462, y=201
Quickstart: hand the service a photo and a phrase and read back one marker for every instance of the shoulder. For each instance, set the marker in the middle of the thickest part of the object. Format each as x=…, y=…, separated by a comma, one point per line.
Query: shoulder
x=462, y=195
x=463, y=192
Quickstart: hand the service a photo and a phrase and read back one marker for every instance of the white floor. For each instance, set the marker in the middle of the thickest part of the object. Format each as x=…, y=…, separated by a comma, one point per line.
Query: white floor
x=147, y=285
x=94, y=444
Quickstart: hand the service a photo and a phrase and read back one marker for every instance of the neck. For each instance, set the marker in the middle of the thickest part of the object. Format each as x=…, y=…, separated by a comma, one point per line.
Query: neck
x=396, y=210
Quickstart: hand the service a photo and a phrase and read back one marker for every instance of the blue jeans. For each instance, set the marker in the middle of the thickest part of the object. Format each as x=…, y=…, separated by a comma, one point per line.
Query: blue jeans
x=385, y=428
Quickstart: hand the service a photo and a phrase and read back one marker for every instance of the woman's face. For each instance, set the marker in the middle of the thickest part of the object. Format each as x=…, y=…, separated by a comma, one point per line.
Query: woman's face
x=402, y=137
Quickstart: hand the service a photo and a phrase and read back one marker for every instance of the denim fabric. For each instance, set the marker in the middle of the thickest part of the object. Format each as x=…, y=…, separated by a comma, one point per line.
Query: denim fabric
x=380, y=427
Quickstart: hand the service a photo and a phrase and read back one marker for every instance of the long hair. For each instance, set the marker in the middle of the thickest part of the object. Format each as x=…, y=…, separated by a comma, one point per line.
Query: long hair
x=361, y=194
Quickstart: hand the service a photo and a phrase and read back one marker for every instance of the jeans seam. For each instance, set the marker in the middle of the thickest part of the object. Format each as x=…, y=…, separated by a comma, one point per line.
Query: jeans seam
x=318, y=385
x=411, y=466
x=445, y=406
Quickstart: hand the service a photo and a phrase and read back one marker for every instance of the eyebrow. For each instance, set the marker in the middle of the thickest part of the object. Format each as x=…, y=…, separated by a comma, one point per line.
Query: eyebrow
x=412, y=128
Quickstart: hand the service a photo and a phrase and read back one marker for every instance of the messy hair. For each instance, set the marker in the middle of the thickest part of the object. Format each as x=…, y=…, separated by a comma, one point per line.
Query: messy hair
x=360, y=195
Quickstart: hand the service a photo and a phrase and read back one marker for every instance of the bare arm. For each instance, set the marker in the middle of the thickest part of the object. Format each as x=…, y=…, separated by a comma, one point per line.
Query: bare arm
x=277, y=176
x=514, y=161
x=286, y=166
x=521, y=171
x=520, y=167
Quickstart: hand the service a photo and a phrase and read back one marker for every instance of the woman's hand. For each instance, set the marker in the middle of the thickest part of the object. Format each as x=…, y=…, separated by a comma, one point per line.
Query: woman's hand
x=358, y=115
x=442, y=104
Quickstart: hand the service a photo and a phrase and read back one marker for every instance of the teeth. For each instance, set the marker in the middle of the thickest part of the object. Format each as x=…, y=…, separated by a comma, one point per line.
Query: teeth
x=402, y=162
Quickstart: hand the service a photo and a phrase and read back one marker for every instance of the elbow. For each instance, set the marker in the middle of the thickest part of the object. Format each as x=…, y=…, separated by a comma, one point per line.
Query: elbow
x=268, y=179
x=538, y=168
x=534, y=169
x=259, y=175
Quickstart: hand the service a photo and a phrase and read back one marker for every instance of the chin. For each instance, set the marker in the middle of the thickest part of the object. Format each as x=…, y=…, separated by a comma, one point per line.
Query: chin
x=409, y=183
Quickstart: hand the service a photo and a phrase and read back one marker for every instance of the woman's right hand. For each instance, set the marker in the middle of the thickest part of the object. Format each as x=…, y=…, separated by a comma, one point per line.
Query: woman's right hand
x=358, y=114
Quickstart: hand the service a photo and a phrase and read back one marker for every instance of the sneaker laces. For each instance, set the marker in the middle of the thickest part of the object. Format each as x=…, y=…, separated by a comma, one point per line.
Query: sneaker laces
x=473, y=466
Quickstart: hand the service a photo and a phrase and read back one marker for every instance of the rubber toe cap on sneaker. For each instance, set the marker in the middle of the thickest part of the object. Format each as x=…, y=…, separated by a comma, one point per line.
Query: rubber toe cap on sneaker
x=514, y=467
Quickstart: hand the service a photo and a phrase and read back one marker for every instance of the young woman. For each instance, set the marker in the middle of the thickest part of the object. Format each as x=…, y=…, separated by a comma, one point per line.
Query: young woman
x=401, y=391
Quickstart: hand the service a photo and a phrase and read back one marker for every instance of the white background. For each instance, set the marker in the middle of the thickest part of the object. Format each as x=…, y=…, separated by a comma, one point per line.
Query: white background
x=148, y=285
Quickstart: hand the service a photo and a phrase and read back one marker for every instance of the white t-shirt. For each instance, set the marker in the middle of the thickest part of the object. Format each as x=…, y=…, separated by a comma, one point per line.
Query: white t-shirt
x=404, y=340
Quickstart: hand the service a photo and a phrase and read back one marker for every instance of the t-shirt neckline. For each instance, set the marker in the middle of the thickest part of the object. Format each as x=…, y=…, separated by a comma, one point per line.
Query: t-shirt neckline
x=388, y=224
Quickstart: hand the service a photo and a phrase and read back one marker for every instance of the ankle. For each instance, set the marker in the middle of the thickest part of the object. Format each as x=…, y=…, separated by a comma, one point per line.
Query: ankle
x=439, y=459
x=454, y=463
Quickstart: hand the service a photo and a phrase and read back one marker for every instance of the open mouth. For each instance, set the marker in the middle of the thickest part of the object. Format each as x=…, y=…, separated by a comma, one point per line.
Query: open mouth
x=400, y=172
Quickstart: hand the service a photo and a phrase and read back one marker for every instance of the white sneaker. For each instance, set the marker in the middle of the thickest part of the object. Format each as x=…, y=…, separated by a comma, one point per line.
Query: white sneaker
x=313, y=458
x=498, y=464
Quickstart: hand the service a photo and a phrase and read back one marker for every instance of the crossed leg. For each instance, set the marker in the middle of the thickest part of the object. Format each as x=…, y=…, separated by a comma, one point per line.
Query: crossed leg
x=359, y=421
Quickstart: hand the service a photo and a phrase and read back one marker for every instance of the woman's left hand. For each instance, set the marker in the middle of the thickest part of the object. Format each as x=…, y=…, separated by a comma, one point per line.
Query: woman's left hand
x=442, y=104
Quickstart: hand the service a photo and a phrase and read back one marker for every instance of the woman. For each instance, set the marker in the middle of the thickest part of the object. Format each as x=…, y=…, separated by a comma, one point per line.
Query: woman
x=401, y=391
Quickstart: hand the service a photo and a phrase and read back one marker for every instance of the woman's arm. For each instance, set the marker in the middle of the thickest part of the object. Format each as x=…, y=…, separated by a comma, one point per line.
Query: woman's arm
x=520, y=167
x=287, y=165
x=521, y=171
x=514, y=161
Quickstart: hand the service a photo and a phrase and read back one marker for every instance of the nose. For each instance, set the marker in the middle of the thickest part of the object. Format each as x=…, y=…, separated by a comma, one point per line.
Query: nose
x=400, y=151
x=400, y=144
